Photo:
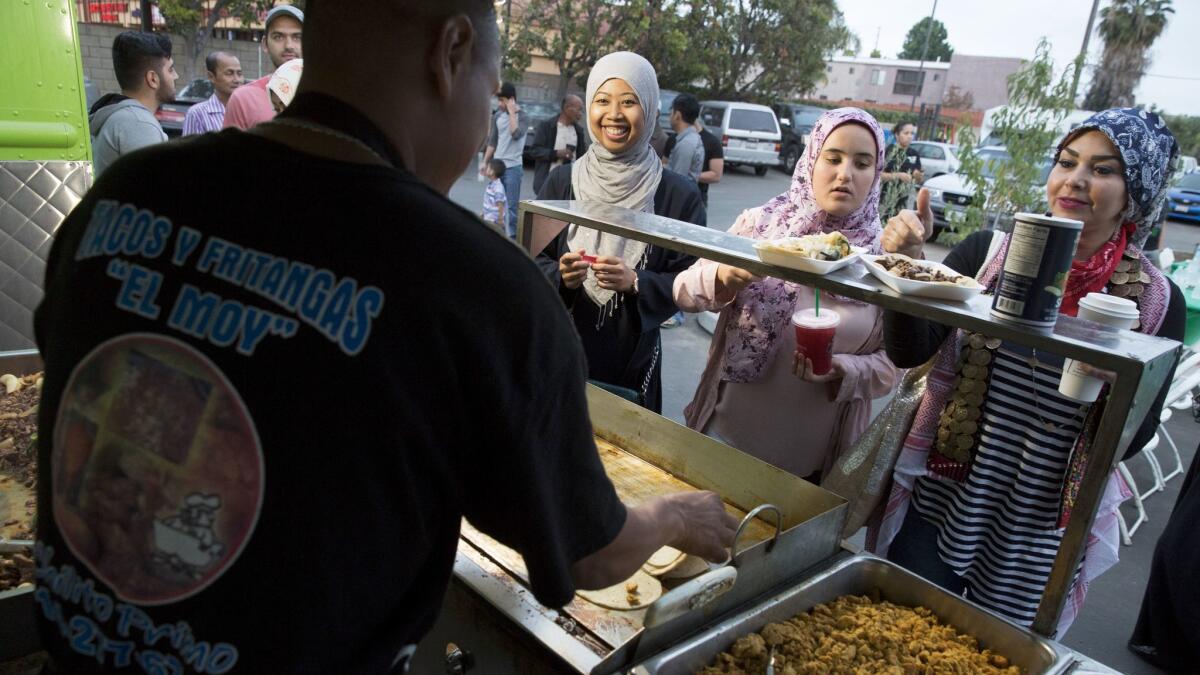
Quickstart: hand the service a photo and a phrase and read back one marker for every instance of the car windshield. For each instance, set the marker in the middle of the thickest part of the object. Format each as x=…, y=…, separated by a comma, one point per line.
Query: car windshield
x=752, y=120
x=200, y=89
x=1190, y=181
x=994, y=161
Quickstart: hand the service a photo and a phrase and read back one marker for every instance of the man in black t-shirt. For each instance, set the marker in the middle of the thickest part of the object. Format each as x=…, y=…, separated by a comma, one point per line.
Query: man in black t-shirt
x=264, y=417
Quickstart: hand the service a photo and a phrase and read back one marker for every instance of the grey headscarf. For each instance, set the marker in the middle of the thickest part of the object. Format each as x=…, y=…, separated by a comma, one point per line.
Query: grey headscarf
x=628, y=179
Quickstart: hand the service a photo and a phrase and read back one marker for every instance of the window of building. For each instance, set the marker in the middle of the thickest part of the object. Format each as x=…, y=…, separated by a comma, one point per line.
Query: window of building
x=821, y=97
x=851, y=70
x=936, y=76
x=878, y=77
x=908, y=82
x=829, y=69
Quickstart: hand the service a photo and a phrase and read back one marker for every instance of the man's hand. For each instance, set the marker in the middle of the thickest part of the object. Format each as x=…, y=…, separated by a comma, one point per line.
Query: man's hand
x=564, y=154
x=612, y=274
x=705, y=528
x=572, y=269
x=512, y=107
x=907, y=231
x=734, y=279
x=918, y=175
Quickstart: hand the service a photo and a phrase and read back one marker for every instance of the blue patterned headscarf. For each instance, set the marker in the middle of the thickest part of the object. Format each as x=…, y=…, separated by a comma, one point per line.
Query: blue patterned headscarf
x=1148, y=151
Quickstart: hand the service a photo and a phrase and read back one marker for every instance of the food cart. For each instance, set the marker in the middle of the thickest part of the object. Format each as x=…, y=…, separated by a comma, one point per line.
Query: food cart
x=490, y=624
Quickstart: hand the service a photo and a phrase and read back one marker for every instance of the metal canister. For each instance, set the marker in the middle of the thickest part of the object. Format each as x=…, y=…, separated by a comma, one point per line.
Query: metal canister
x=1034, y=276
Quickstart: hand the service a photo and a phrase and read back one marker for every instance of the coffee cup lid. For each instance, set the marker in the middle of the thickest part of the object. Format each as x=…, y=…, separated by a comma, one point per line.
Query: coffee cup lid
x=1103, y=303
x=810, y=319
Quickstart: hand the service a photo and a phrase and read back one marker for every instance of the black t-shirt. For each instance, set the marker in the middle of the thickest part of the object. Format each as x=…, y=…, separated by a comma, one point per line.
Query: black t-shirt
x=265, y=412
x=712, y=150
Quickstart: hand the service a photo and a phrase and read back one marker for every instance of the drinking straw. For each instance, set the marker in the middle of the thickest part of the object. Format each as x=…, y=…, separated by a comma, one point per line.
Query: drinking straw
x=817, y=298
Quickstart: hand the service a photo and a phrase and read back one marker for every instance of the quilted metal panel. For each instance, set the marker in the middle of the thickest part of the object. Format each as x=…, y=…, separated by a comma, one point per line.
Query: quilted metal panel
x=35, y=198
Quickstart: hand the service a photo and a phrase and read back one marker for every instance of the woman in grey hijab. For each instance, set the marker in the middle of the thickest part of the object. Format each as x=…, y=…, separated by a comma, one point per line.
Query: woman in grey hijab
x=619, y=299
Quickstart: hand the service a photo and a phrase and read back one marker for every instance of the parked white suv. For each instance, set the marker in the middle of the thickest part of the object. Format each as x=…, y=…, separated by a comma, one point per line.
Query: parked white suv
x=950, y=193
x=936, y=158
x=749, y=133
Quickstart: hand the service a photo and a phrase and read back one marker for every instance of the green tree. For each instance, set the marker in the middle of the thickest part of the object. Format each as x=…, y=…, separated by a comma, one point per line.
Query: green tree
x=914, y=42
x=1027, y=126
x=764, y=50
x=1129, y=28
x=1187, y=133
x=575, y=33
x=194, y=21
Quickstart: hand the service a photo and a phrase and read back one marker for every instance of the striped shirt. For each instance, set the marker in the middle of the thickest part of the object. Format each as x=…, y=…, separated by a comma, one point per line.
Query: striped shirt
x=204, y=117
x=999, y=528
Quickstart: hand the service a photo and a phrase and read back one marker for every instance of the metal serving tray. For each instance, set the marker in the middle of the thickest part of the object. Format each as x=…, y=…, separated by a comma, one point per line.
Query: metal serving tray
x=18, y=629
x=863, y=575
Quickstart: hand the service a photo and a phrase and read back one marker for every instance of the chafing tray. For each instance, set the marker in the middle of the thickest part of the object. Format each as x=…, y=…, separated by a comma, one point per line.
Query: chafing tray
x=864, y=575
x=645, y=455
x=18, y=630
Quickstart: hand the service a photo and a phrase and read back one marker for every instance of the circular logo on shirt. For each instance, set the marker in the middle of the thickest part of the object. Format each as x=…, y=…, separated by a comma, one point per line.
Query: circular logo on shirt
x=157, y=468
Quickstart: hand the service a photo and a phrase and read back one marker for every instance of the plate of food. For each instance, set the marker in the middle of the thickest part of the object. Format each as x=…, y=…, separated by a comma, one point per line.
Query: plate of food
x=816, y=253
x=924, y=278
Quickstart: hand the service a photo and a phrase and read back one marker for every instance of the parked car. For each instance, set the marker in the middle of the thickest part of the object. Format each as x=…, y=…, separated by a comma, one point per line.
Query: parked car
x=538, y=112
x=795, y=124
x=171, y=115
x=936, y=158
x=749, y=133
x=950, y=192
x=1183, y=199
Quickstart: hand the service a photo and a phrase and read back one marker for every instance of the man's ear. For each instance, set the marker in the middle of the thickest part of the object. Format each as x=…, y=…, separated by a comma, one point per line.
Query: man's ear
x=451, y=53
x=152, y=79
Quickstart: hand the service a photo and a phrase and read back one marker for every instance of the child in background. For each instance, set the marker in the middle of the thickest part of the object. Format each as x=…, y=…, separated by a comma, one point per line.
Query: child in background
x=493, y=196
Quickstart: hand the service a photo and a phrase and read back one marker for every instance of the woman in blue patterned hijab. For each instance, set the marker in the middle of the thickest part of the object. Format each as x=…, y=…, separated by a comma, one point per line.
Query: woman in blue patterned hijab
x=1148, y=152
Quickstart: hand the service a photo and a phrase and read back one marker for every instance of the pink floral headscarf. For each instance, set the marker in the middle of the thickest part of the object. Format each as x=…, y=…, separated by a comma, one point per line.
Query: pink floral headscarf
x=762, y=309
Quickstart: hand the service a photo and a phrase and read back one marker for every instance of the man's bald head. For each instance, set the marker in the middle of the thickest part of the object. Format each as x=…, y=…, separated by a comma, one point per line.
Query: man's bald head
x=571, y=110
x=423, y=70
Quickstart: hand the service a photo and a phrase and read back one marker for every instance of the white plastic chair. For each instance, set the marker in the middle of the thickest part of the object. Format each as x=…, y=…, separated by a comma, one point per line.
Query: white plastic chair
x=1127, y=530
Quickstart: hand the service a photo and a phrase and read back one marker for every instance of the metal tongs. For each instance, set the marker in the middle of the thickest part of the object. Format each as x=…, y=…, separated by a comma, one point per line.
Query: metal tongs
x=771, y=661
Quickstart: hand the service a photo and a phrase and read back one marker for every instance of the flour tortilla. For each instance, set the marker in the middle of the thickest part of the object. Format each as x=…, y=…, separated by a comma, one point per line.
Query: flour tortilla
x=687, y=567
x=616, y=597
x=664, y=557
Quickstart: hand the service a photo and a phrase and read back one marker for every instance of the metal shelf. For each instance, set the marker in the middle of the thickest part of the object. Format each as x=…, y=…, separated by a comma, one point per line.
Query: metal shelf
x=1141, y=363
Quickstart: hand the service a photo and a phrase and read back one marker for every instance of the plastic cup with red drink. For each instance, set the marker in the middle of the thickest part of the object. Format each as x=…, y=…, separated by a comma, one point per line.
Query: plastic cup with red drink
x=814, y=337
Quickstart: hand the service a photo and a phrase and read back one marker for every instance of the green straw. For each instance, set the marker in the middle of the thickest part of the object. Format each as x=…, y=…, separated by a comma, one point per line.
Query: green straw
x=817, y=298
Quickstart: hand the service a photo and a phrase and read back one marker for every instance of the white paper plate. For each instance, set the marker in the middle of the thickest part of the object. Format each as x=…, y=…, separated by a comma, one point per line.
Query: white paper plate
x=925, y=289
x=793, y=261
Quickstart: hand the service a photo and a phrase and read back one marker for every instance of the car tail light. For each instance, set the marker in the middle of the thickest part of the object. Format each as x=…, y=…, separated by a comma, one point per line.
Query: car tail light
x=725, y=141
x=169, y=115
x=778, y=147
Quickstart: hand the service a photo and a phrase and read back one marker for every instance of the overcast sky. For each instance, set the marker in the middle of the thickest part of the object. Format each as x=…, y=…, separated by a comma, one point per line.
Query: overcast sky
x=1013, y=27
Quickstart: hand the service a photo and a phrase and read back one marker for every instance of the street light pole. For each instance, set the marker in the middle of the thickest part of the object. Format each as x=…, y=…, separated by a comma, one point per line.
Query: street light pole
x=924, y=52
x=1083, y=51
x=147, y=19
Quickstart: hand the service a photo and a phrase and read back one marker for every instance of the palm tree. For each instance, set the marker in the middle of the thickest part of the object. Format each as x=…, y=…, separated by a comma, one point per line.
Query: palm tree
x=1129, y=29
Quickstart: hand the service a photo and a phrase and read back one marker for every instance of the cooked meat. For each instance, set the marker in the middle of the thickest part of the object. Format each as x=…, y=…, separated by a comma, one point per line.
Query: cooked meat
x=854, y=635
x=906, y=268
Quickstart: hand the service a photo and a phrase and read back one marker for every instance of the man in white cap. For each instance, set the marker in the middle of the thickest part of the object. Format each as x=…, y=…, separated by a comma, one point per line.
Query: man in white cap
x=250, y=105
x=338, y=359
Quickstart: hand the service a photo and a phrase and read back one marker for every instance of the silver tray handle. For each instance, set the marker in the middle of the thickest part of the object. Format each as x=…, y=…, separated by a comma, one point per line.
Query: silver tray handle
x=734, y=552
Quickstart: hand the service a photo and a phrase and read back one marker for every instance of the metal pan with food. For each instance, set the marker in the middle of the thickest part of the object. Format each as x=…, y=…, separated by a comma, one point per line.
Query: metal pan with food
x=815, y=253
x=923, y=278
x=875, y=589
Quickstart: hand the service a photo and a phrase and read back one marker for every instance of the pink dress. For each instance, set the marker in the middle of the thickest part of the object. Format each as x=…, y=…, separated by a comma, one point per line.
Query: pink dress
x=798, y=426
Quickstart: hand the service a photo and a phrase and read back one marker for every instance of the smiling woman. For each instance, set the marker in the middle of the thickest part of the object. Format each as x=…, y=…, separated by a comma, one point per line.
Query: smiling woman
x=620, y=293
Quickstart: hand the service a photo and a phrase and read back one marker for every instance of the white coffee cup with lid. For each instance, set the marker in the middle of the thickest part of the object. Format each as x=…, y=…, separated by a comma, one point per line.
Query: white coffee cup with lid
x=1110, y=311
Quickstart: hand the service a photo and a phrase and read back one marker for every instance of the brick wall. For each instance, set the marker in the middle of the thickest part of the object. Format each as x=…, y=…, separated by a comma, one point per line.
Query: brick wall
x=95, y=45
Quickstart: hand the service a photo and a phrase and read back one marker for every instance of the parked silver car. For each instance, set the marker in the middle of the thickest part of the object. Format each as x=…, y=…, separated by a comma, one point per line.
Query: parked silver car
x=950, y=193
x=749, y=133
x=937, y=158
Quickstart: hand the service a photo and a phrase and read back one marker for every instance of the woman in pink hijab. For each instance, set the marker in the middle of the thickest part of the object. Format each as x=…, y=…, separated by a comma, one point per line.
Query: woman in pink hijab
x=756, y=394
